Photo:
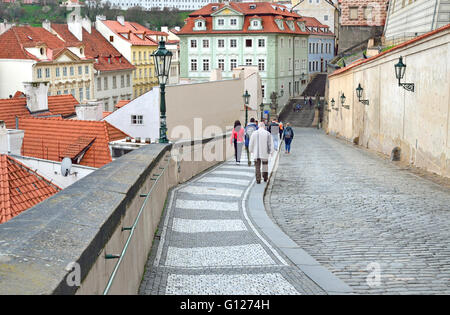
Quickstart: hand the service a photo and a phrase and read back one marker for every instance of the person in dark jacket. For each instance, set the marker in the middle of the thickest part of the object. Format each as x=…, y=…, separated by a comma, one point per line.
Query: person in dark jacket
x=288, y=135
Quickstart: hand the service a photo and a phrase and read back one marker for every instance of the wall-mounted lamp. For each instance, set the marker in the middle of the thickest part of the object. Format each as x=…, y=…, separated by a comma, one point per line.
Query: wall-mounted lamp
x=343, y=102
x=400, y=69
x=332, y=104
x=359, y=91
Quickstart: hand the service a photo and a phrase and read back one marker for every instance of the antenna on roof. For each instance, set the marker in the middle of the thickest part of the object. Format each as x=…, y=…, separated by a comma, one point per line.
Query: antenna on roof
x=66, y=166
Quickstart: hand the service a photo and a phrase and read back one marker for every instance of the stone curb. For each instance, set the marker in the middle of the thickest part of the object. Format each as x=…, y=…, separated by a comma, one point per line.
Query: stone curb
x=324, y=278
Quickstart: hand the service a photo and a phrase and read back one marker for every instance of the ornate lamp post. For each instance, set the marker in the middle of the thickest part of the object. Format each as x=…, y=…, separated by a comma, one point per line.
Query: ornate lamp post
x=246, y=97
x=400, y=69
x=359, y=91
x=162, y=58
x=261, y=107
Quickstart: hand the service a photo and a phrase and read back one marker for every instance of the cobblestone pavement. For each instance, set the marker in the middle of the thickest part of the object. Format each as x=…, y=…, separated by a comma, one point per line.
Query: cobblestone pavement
x=349, y=208
x=206, y=244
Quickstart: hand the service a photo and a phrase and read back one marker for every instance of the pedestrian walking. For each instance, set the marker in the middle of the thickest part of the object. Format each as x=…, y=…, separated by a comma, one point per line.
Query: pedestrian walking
x=281, y=130
x=261, y=147
x=237, y=138
x=310, y=103
x=288, y=135
x=274, y=129
x=249, y=129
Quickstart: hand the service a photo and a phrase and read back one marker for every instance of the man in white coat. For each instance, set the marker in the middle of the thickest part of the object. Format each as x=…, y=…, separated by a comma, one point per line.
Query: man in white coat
x=261, y=147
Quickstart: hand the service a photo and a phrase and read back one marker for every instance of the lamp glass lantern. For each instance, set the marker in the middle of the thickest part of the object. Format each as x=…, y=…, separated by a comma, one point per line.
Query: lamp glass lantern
x=343, y=99
x=162, y=58
x=246, y=97
x=400, y=69
x=332, y=102
x=359, y=91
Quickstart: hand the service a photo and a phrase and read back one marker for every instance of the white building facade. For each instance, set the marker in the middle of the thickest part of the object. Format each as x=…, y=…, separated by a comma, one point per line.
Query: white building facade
x=182, y=5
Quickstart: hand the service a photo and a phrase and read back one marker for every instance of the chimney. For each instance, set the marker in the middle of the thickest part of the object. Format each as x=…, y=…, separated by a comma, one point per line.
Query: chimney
x=121, y=20
x=100, y=18
x=177, y=28
x=47, y=25
x=10, y=140
x=92, y=110
x=37, y=97
x=87, y=25
x=74, y=25
x=165, y=29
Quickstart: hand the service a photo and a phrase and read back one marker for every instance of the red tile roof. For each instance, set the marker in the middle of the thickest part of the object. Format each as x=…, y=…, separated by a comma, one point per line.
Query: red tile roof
x=63, y=105
x=134, y=29
x=409, y=42
x=18, y=38
x=266, y=11
x=122, y=103
x=20, y=188
x=96, y=46
x=311, y=22
x=52, y=138
x=106, y=114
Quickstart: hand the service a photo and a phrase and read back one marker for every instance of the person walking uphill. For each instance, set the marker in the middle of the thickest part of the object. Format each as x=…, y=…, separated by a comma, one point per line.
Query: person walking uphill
x=261, y=147
x=288, y=135
x=237, y=138
x=274, y=129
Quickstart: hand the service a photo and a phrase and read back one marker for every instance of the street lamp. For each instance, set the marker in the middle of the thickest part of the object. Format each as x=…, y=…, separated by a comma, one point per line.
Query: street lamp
x=343, y=102
x=262, y=110
x=400, y=69
x=332, y=104
x=246, y=97
x=162, y=58
x=359, y=91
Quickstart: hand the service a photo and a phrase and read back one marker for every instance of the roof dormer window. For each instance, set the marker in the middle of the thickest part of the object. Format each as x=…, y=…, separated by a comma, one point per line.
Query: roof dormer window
x=200, y=24
x=252, y=6
x=42, y=51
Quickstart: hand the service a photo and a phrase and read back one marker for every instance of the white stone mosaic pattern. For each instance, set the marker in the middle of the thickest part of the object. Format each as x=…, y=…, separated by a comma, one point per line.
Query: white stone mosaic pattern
x=243, y=174
x=225, y=180
x=207, y=205
x=204, y=226
x=238, y=169
x=240, y=284
x=242, y=255
x=202, y=190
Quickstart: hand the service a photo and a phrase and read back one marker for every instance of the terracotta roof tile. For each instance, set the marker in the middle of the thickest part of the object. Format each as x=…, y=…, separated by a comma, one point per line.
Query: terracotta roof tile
x=50, y=138
x=20, y=188
x=122, y=103
x=134, y=29
x=63, y=105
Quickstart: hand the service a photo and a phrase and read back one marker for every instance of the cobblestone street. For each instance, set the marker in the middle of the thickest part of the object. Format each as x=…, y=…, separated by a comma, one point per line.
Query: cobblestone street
x=206, y=243
x=349, y=208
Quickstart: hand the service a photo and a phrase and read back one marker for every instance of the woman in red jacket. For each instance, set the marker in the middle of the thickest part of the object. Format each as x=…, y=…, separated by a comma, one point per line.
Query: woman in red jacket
x=237, y=138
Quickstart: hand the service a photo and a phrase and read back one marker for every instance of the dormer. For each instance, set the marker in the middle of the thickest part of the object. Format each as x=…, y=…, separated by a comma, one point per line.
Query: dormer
x=279, y=22
x=227, y=18
x=255, y=23
x=126, y=35
x=200, y=24
x=290, y=23
x=301, y=25
x=252, y=6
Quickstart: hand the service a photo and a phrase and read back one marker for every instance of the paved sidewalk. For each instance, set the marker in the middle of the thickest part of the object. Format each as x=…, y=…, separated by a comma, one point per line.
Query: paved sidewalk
x=206, y=243
x=353, y=211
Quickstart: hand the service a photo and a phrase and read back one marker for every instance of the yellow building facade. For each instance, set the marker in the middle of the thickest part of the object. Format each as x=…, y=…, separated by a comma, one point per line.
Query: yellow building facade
x=144, y=78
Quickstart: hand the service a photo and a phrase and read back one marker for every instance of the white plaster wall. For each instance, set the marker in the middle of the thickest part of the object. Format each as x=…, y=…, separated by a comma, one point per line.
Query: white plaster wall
x=51, y=170
x=13, y=72
x=318, y=11
x=123, y=46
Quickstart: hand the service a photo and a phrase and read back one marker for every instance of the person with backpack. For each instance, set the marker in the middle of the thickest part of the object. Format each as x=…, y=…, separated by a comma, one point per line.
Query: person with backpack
x=288, y=135
x=237, y=138
x=251, y=127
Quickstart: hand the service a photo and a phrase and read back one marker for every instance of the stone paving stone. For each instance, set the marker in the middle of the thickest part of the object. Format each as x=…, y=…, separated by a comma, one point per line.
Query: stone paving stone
x=205, y=245
x=348, y=208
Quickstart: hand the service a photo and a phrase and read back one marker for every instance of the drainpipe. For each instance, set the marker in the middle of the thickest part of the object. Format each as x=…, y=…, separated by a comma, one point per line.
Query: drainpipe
x=434, y=14
x=17, y=122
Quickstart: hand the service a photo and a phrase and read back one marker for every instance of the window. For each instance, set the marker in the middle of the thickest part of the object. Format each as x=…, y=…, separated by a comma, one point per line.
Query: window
x=261, y=65
x=134, y=56
x=66, y=92
x=263, y=90
x=81, y=94
x=233, y=22
x=221, y=43
x=47, y=72
x=88, y=93
x=248, y=43
x=105, y=83
x=205, y=64
x=57, y=72
x=353, y=13
x=205, y=43
x=368, y=13
x=261, y=43
x=321, y=48
x=140, y=73
x=111, y=38
x=99, y=84
x=255, y=23
x=290, y=64
x=194, y=65
x=72, y=71
x=86, y=69
x=114, y=85
x=72, y=91
x=193, y=43
x=80, y=70
x=281, y=43
x=221, y=22
x=221, y=64
x=325, y=17
x=233, y=64
x=140, y=56
x=137, y=119
x=58, y=92
x=248, y=62
x=233, y=43
x=200, y=24
x=128, y=80
x=122, y=81
x=310, y=48
x=39, y=73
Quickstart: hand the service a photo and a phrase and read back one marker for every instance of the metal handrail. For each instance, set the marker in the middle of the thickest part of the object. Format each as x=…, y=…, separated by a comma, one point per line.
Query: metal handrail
x=132, y=229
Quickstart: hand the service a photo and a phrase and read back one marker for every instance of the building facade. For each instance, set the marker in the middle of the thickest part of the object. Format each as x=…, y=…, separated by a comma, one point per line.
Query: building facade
x=136, y=43
x=113, y=73
x=325, y=11
x=408, y=19
x=227, y=35
x=320, y=45
x=43, y=57
x=182, y=5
